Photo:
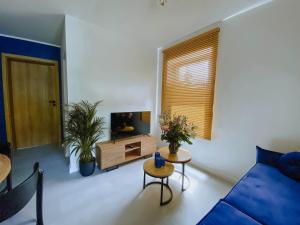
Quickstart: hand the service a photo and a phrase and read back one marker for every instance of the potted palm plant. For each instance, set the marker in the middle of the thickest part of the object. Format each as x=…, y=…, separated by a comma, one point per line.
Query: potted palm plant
x=83, y=129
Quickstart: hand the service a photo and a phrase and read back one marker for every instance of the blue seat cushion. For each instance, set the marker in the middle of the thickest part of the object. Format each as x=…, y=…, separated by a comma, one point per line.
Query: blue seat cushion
x=224, y=214
x=268, y=196
x=289, y=165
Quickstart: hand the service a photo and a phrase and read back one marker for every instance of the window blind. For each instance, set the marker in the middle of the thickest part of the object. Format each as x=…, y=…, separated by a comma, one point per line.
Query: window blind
x=189, y=71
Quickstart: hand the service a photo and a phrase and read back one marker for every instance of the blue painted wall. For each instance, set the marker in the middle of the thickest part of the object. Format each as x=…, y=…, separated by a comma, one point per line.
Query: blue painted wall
x=26, y=48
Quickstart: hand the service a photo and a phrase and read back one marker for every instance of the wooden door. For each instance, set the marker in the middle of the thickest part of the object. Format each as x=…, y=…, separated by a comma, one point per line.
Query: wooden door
x=34, y=102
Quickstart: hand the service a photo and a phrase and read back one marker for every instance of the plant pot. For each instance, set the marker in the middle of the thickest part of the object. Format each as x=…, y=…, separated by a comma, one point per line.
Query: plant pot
x=173, y=147
x=87, y=168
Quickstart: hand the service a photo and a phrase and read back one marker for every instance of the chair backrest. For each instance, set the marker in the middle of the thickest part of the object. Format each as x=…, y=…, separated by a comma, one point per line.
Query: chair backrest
x=6, y=150
x=13, y=201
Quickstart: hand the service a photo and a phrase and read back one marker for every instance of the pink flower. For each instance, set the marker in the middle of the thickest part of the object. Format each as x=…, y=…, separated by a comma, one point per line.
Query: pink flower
x=178, y=120
x=165, y=128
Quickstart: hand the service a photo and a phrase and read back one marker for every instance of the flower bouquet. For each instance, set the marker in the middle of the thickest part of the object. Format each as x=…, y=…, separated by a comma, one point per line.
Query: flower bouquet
x=175, y=130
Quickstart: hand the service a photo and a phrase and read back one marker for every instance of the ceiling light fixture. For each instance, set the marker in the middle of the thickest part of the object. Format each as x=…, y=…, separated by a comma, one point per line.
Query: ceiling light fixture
x=163, y=2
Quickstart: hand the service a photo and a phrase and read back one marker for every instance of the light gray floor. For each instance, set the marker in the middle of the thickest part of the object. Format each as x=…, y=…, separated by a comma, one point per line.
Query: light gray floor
x=112, y=198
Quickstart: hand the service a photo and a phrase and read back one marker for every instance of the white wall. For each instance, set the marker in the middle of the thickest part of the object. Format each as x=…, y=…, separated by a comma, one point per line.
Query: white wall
x=257, y=86
x=109, y=66
x=257, y=99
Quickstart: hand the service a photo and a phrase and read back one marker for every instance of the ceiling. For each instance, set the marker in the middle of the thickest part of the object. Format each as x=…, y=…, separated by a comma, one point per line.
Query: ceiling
x=42, y=20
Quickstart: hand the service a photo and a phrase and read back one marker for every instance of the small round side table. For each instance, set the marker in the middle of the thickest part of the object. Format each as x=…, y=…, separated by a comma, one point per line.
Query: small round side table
x=182, y=157
x=162, y=173
x=5, y=166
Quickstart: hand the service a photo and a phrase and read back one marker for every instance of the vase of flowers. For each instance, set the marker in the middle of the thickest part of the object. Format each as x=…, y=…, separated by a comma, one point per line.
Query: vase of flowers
x=175, y=130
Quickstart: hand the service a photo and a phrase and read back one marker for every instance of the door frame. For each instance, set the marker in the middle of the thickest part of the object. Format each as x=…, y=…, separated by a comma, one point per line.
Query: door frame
x=8, y=106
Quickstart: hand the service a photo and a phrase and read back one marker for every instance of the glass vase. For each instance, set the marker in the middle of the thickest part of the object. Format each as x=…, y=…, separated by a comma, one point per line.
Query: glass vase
x=173, y=147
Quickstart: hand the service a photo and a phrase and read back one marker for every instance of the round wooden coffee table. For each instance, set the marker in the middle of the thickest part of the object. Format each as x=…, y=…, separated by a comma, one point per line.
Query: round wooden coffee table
x=5, y=167
x=183, y=156
x=161, y=173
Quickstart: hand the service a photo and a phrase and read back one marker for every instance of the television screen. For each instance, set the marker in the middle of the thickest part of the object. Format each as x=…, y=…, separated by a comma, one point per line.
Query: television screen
x=127, y=124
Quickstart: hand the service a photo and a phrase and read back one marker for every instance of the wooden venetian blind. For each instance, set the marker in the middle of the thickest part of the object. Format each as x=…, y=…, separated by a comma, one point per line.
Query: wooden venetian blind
x=189, y=71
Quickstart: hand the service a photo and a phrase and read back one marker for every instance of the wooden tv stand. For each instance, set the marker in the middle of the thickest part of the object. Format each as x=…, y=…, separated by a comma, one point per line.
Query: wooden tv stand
x=113, y=153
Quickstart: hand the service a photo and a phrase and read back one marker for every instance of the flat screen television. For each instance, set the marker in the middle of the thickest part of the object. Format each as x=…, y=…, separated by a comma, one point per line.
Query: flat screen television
x=128, y=124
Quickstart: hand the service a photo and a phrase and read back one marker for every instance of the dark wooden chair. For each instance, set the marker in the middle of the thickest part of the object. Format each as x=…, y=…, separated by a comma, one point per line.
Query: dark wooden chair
x=5, y=149
x=13, y=201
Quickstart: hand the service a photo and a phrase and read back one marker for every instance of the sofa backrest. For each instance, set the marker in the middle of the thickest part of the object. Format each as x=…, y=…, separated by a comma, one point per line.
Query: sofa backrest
x=267, y=157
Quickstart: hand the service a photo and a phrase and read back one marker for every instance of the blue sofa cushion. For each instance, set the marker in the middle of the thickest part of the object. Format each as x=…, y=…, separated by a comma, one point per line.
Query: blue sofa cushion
x=224, y=214
x=267, y=157
x=268, y=196
x=290, y=165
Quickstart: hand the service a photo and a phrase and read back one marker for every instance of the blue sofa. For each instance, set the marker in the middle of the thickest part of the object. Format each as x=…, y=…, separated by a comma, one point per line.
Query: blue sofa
x=263, y=196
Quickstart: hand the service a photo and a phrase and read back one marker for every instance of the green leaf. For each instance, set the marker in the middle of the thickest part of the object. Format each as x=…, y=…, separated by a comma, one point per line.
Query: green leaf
x=83, y=128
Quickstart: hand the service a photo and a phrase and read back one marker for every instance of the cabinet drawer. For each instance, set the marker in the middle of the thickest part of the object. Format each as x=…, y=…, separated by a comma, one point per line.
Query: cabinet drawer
x=148, y=146
x=111, y=156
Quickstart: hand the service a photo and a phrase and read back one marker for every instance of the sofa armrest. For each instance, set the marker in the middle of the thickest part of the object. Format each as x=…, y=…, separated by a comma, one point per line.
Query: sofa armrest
x=267, y=157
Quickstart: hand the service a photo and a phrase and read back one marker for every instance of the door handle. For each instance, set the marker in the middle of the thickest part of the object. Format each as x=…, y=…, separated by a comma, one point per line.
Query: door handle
x=53, y=102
